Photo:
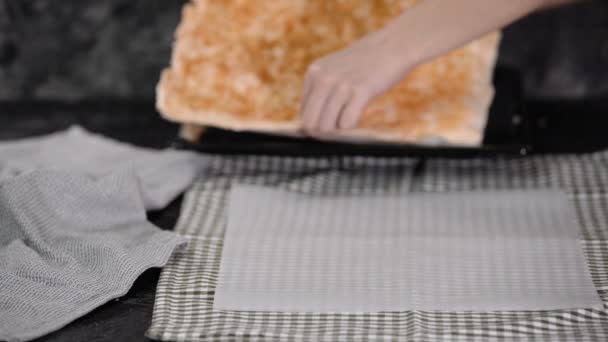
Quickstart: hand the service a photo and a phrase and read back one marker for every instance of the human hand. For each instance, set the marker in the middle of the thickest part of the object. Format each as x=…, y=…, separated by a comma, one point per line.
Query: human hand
x=338, y=87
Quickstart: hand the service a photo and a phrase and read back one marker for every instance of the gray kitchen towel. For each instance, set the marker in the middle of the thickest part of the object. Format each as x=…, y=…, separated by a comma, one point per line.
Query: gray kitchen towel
x=164, y=174
x=73, y=227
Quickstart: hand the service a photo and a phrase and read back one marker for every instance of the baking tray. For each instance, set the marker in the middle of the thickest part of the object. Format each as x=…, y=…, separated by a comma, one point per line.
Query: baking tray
x=507, y=132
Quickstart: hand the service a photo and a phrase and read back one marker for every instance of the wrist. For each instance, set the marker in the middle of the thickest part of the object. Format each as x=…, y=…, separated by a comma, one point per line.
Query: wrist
x=398, y=49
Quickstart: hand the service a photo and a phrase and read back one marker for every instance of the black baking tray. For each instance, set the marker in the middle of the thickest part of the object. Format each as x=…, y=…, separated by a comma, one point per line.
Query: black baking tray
x=507, y=132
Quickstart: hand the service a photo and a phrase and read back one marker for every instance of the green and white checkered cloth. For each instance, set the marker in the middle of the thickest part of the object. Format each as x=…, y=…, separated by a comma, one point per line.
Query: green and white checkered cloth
x=183, y=310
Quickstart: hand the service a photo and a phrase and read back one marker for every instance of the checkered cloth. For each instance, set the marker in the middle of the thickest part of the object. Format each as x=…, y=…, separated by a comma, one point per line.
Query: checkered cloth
x=183, y=309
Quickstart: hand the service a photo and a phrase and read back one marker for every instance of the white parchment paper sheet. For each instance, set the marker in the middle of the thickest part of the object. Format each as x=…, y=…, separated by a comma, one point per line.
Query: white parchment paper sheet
x=482, y=251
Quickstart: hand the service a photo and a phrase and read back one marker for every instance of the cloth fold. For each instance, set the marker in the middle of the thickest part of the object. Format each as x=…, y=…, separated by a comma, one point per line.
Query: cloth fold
x=74, y=232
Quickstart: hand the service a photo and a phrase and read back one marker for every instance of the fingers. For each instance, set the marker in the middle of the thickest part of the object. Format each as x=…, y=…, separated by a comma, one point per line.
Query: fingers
x=330, y=103
x=314, y=105
x=307, y=86
x=331, y=113
x=323, y=107
x=349, y=118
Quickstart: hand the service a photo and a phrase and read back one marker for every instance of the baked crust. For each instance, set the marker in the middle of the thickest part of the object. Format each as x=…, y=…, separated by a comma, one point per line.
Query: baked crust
x=240, y=65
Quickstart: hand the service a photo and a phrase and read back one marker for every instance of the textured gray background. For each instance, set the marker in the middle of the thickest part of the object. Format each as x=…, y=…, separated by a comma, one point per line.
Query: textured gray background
x=69, y=49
